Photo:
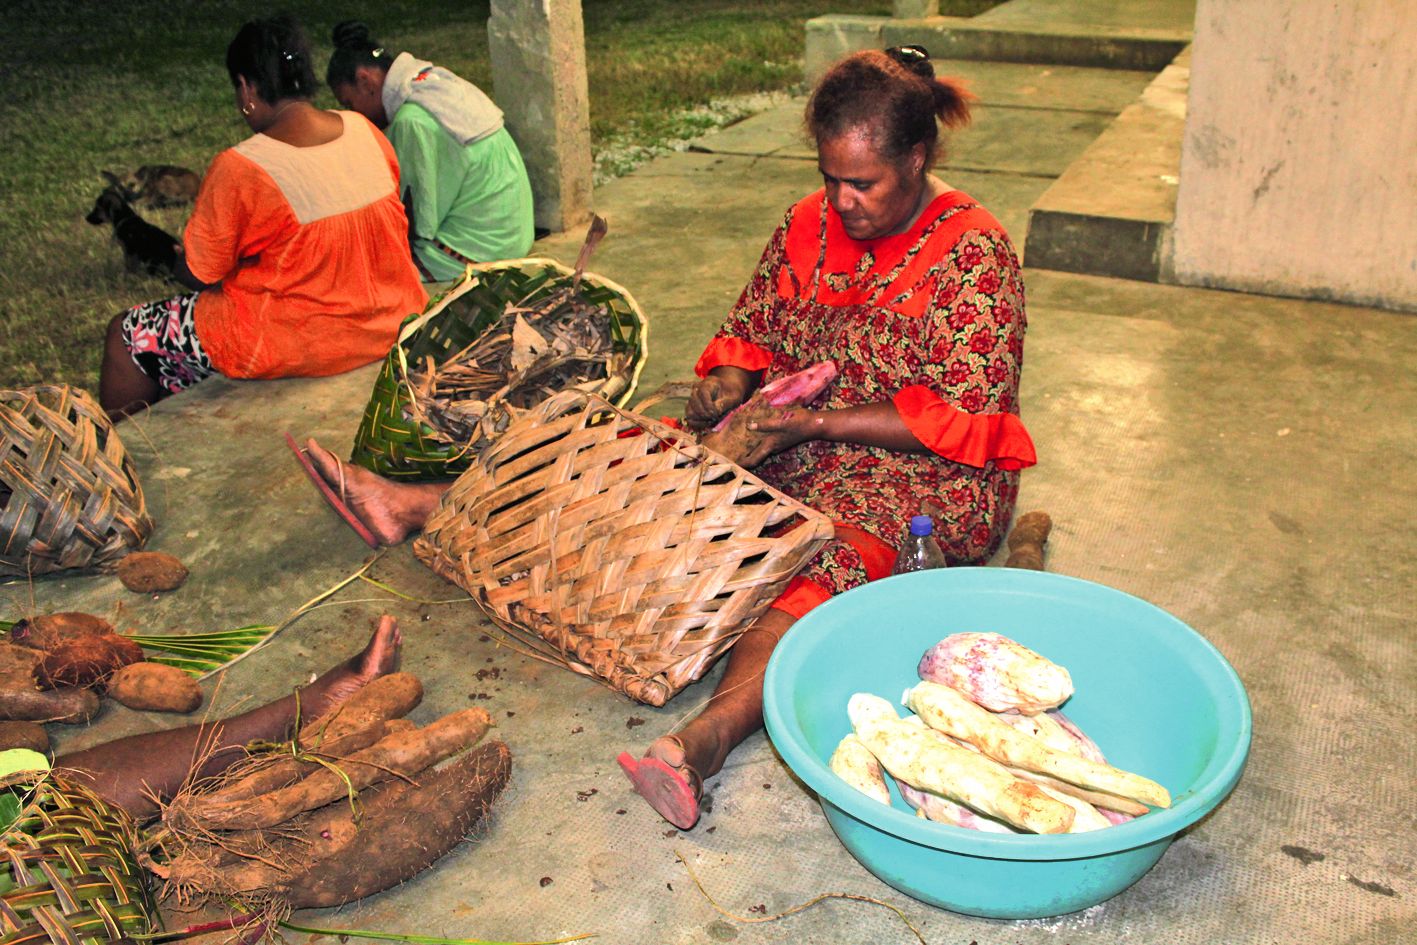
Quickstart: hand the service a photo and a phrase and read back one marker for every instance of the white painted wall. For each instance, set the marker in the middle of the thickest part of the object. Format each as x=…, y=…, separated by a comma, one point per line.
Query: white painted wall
x=1299, y=164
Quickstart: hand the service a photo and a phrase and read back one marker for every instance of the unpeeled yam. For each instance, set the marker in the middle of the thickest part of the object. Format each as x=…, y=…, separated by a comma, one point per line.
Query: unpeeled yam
x=330, y=856
x=155, y=687
x=401, y=754
x=356, y=723
x=151, y=571
x=29, y=735
x=85, y=661
x=21, y=701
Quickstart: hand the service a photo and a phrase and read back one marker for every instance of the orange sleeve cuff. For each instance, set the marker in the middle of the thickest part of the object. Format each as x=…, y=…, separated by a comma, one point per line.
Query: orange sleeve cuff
x=970, y=438
x=800, y=596
x=734, y=352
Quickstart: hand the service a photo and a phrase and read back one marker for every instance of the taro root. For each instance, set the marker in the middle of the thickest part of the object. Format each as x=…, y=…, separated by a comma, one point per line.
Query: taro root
x=150, y=571
x=49, y=630
x=21, y=701
x=154, y=687
x=85, y=661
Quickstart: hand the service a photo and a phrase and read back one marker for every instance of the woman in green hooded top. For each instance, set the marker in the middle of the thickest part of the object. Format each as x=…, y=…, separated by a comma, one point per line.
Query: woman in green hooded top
x=461, y=176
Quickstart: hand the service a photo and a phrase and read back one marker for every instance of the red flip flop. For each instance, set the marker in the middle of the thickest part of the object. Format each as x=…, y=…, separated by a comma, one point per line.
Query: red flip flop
x=673, y=794
x=331, y=497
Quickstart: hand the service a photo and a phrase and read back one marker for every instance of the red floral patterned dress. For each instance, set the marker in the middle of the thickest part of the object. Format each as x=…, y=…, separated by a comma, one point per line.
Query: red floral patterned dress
x=931, y=319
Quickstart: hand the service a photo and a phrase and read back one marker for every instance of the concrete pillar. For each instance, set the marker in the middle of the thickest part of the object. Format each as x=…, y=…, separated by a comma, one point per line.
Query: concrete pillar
x=1299, y=162
x=915, y=9
x=538, y=72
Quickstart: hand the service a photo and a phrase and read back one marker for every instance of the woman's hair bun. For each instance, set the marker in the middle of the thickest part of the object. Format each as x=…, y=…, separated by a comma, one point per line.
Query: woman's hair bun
x=352, y=34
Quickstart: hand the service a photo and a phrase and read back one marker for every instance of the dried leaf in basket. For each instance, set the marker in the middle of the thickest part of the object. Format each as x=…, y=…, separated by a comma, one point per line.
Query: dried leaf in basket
x=560, y=342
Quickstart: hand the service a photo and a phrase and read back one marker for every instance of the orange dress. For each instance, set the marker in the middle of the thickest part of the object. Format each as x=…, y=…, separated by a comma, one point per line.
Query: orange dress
x=310, y=246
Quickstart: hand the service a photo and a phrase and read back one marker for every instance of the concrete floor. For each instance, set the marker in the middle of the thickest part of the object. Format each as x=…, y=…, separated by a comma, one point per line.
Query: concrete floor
x=1241, y=461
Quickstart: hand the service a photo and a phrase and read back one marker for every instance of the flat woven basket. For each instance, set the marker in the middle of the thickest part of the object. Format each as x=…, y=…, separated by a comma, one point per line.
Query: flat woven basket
x=396, y=446
x=69, y=493
x=614, y=545
x=68, y=875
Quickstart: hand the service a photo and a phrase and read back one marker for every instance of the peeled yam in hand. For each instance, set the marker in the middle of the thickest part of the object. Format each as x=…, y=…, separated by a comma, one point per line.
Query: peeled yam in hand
x=996, y=672
x=85, y=661
x=155, y=687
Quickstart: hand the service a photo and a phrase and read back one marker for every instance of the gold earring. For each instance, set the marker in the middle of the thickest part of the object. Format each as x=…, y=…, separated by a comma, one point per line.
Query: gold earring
x=248, y=108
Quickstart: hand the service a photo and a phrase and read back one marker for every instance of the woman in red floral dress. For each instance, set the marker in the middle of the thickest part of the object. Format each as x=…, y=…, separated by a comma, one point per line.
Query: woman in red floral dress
x=914, y=292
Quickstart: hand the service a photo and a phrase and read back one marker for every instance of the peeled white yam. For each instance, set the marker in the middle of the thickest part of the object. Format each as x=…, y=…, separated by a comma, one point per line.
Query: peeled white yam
x=996, y=672
x=1087, y=817
x=945, y=709
x=914, y=755
x=942, y=810
x=853, y=763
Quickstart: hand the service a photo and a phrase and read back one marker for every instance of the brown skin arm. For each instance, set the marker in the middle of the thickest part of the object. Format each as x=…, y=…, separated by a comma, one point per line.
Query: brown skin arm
x=877, y=424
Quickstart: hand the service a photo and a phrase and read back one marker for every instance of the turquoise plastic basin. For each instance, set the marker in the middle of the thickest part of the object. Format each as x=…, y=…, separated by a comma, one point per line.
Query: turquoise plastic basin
x=1155, y=695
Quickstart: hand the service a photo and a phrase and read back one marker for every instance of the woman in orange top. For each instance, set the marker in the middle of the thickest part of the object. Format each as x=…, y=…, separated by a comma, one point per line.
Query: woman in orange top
x=289, y=245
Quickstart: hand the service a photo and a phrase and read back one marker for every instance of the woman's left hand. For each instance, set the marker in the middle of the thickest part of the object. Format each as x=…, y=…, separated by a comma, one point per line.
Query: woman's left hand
x=782, y=428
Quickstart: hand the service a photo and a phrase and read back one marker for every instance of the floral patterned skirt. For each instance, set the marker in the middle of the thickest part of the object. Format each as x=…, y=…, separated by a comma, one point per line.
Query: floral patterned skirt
x=162, y=340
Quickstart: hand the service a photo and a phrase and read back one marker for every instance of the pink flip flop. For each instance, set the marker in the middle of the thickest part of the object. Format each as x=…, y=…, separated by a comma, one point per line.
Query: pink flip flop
x=673, y=794
x=331, y=497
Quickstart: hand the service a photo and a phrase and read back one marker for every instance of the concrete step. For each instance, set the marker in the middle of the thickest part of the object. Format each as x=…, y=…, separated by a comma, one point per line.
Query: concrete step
x=1129, y=34
x=1111, y=212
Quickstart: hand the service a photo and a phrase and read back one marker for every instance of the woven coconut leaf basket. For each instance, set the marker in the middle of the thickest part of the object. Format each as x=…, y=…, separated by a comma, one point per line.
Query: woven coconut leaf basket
x=69, y=876
x=69, y=492
x=612, y=544
x=395, y=444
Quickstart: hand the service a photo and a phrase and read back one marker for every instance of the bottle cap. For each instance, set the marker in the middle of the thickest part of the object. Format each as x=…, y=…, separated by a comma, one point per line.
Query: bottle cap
x=921, y=525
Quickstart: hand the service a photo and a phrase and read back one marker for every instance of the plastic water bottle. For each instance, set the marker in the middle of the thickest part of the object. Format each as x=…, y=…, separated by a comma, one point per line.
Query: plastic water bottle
x=920, y=551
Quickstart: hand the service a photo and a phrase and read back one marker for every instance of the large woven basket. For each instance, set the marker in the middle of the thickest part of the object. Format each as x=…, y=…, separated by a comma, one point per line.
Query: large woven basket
x=614, y=545
x=68, y=875
x=396, y=446
x=69, y=494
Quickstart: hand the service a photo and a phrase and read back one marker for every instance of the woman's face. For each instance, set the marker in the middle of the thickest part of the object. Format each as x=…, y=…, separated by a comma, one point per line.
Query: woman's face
x=364, y=95
x=874, y=195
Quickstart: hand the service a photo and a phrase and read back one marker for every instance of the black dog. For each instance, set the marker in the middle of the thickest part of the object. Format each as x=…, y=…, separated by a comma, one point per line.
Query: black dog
x=145, y=246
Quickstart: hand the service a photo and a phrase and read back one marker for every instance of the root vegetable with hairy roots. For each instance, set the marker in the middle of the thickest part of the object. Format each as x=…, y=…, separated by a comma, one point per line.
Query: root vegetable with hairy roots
x=342, y=852
x=357, y=723
x=400, y=754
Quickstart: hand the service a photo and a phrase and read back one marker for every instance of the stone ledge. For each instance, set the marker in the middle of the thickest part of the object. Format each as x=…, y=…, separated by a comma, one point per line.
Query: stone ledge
x=1111, y=212
x=949, y=37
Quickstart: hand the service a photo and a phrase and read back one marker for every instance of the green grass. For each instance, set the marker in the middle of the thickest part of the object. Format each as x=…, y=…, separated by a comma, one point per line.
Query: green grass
x=112, y=85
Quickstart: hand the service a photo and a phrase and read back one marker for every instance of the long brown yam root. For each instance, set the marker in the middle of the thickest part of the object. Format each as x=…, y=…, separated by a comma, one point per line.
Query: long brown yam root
x=350, y=727
x=1027, y=539
x=402, y=754
x=333, y=856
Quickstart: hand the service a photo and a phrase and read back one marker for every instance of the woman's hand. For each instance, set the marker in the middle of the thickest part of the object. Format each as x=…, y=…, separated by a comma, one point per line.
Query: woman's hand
x=716, y=394
x=781, y=428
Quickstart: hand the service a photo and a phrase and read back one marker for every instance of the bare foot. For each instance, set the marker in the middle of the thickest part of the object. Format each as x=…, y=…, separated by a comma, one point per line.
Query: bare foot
x=698, y=747
x=669, y=776
x=379, y=504
x=379, y=658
